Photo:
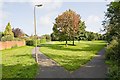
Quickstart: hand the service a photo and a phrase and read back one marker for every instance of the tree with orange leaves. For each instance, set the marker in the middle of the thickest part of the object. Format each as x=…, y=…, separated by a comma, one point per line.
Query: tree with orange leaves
x=67, y=24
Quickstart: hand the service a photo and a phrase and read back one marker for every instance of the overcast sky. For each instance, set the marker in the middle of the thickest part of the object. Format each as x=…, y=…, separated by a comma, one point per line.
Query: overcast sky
x=20, y=14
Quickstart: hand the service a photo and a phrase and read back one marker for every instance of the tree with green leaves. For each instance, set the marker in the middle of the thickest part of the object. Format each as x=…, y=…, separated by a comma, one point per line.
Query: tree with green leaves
x=1, y=35
x=81, y=31
x=112, y=28
x=8, y=30
x=91, y=36
x=55, y=35
x=8, y=34
x=47, y=37
x=112, y=21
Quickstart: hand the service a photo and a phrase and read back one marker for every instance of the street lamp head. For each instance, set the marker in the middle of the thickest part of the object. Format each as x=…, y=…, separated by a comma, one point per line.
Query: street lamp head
x=38, y=5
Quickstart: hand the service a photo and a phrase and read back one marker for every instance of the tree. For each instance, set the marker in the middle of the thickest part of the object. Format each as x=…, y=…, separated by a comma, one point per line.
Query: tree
x=47, y=37
x=112, y=24
x=8, y=30
x=55, y=34
x=8, y=34
x=112, y=28
x=112, y=21
x=81, y=31
x=67, y=24
x=53, y=37
x=93, y=36
x=90, y=36
x=18, y=32
x=1, y=35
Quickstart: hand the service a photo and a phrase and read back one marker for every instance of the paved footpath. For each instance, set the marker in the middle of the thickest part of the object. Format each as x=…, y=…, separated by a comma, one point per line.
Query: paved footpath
x=96, y=68
x=49, y=68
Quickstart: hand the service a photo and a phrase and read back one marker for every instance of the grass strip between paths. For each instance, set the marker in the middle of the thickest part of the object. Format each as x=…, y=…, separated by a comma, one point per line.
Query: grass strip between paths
x=72, y=57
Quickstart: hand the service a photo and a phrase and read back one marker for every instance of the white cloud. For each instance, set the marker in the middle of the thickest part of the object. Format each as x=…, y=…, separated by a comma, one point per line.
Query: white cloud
x=93, y=23
x=1, y=15
x=50, y=8
x=14, y=0
x=49, y=5
x=75, y=0
x=93, y=19
x=58, y=0
x=45, y=20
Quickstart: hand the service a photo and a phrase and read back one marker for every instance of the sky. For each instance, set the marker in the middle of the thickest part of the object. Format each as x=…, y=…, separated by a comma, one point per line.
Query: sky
x=20, y=14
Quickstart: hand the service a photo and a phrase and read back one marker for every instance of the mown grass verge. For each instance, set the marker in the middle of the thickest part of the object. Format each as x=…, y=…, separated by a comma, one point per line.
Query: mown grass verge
x=18, y=63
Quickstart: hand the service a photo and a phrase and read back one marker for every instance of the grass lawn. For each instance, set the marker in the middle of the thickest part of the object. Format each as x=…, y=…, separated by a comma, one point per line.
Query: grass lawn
x=72, y=57
x=18, y=63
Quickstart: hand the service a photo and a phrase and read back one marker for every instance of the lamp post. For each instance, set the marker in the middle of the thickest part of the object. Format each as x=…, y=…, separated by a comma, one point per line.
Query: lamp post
x=36, y=55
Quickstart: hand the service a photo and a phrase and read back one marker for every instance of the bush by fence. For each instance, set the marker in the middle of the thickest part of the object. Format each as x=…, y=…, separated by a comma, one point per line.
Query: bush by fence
x=7, y=38
x=32, y=42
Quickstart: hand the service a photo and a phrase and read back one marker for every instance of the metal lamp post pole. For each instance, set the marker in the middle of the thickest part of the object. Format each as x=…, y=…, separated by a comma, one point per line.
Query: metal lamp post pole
x=36, y=55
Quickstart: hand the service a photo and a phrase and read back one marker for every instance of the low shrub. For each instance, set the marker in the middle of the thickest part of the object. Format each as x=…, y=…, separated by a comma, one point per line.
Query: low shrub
x=17, y=39
x=1, y=34
x=42, y=40
x=32, y=42
x=112, y=52
x=14, y=46
x=113, y=55
x=7, y=38
x=114, y=72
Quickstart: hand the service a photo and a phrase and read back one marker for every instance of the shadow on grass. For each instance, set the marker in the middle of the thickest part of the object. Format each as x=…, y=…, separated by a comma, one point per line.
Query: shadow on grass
x=19, y=71
x=24, y=55
x=90, y=47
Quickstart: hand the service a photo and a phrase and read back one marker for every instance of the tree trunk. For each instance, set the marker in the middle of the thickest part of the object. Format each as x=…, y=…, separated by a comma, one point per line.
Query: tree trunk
x=66, y=43
x=73, y=41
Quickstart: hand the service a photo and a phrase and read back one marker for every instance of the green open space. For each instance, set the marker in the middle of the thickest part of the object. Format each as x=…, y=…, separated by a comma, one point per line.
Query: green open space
x=72, y=57
x=18, y=63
